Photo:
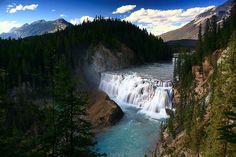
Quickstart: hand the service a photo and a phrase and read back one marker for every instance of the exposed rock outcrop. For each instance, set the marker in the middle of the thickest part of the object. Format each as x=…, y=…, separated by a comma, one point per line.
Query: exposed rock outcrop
x=103, y=112
x=100, y=58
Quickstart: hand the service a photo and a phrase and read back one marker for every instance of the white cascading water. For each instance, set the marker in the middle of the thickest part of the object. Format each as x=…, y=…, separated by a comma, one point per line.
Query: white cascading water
x=153, y=96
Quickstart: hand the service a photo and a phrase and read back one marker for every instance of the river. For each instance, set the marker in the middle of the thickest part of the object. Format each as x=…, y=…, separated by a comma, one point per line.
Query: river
x=143, y=93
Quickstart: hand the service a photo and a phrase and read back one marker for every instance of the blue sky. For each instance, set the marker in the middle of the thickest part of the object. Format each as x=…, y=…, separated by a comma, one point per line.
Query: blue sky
x=150, y=14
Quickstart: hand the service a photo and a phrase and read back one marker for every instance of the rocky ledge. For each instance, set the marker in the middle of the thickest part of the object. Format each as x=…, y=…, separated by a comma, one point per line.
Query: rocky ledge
x=102, y=111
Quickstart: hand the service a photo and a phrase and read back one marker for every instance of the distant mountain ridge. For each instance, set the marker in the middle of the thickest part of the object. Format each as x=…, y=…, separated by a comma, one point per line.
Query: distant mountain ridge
x=190, y=30
x=39, y=27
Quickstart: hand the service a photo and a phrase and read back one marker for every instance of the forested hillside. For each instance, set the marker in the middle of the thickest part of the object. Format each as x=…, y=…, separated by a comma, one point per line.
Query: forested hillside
x=31, y=59
x=42, y=107
x=204, y=123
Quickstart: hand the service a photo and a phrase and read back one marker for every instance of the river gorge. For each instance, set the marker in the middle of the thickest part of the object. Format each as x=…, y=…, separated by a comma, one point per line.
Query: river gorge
x=144, y=93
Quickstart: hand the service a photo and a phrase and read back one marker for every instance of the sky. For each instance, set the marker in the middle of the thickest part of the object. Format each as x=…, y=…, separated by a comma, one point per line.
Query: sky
x=157, y=16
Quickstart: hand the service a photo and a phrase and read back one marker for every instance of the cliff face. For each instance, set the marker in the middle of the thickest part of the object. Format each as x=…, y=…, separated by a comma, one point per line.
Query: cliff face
x=190, y=143
x=99, y=58
x=103, y=112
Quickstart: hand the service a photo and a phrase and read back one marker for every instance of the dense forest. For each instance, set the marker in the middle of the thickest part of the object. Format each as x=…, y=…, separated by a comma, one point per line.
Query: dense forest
x=42, y=109
x=206, y=121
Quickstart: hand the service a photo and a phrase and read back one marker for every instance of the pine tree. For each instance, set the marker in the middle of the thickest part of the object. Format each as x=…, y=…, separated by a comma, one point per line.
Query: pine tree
x=73, y=136
x=199, y=46
x=206, y=36
x=213, y=33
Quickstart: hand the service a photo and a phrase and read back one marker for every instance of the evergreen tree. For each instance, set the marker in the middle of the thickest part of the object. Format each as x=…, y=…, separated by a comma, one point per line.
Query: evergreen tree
x=73, y=136
x=213, y=33
x=199, y=46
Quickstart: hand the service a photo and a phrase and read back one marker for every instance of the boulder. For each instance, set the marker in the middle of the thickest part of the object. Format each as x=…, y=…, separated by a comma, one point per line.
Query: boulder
x=103, y=112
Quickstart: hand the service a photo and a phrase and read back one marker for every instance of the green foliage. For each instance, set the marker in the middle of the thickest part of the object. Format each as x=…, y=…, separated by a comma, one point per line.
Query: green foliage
x=225, y=125
x=19, y=127
x=56, y=130
x=228, y=131
x=170, y=125
x=184, y=75
x=199, y=45
x=72, y=132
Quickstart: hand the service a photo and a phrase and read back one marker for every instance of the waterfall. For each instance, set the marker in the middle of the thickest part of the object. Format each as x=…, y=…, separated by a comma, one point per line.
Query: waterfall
x=151, y=95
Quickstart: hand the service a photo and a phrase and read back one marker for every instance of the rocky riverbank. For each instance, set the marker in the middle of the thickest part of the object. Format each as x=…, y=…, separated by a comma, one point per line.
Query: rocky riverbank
x=102, y=111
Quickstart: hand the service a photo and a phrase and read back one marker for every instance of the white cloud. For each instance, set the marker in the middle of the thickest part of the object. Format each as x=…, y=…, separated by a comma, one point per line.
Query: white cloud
x=14, y=8
x=85, y=19
x=62, y=15
x=53, y=10
x=75, y=21
x=82, y=19
x=161, y=21
x=6, y=26
x=124, y=9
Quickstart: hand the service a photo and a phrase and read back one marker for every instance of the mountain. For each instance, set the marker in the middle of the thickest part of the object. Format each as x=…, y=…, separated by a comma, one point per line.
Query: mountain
x=190, y=30
x=39, y=27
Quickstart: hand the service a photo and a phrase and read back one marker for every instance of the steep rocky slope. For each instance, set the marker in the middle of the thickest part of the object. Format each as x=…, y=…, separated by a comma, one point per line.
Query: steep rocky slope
x=190, y=30
x=203, y=136
x=177, y=145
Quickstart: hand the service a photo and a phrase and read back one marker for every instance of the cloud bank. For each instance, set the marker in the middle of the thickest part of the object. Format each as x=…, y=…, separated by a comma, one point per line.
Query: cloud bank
x=82, y=19
x=14, y=8
x=6, y=26
x=62, y=15
x=161, y=21
x=124, y=9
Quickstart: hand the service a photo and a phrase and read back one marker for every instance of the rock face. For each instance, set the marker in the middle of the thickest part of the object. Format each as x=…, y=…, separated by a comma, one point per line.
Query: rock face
x=190, y=30
x=103, y=112
x=100, y=58
x=39, y=27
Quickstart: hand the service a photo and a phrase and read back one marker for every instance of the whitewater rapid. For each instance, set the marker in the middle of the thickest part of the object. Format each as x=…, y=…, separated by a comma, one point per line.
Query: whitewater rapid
x=152, y=95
